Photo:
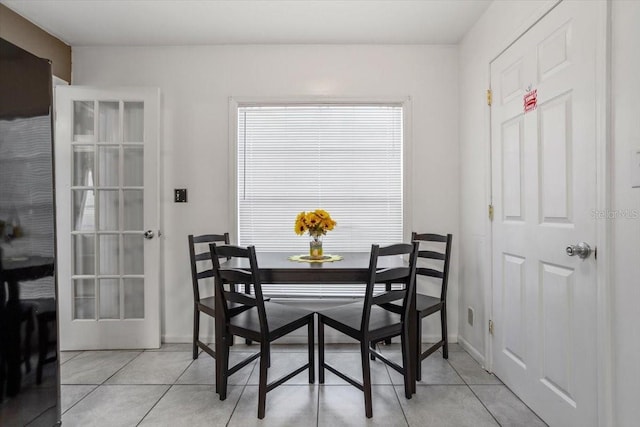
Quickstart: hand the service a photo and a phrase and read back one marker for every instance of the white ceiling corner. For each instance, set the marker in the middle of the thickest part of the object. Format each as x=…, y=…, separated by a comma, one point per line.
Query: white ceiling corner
x=201, y=22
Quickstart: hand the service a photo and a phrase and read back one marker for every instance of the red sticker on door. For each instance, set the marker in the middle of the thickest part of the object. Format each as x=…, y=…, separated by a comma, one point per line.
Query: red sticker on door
x=530, y=100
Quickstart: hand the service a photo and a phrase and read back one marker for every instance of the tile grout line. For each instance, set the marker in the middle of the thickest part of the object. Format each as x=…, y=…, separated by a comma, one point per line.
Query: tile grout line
x=154, y=405
x=483, y=405
x=167, y=390
x=241, y=393
x=121, y=368
x=473, y=392
x=95, y=387
x=72, y=357
x=395, y=391
x=516, y=396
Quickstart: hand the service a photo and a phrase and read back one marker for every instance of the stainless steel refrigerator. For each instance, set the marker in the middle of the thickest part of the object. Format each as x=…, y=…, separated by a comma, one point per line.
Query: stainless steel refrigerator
x=29, y=368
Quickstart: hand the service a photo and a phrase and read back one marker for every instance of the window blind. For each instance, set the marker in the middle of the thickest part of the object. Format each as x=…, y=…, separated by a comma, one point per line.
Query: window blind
x=346, y=159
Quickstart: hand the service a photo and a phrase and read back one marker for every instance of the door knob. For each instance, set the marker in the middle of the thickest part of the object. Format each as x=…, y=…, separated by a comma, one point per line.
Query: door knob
x=148, y=234
x=582, y=250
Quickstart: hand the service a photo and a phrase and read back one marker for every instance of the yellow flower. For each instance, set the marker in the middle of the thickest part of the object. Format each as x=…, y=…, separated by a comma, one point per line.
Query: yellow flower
x=322, y=214
x=300, y=228
x=316, y=222
x=312, y=219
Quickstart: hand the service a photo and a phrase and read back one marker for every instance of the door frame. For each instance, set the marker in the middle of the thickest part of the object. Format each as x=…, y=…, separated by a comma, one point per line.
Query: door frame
x=603, y=203
x=157, y=250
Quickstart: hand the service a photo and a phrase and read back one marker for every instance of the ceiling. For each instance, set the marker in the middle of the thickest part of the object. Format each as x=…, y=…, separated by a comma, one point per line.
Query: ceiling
x=189, y=22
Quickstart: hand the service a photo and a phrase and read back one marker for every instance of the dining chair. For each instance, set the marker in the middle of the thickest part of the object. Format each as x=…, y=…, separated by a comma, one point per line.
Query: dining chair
x=366, y=322
x=25, y=316
x=428, y=305
x=262, y=321
x=201, y=269
x=45, y=311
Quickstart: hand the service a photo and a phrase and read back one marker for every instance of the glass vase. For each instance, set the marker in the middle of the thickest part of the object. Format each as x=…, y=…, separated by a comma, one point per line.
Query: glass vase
x=315, y=247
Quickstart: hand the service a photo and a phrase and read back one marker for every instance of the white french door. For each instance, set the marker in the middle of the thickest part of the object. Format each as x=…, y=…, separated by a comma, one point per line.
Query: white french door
x=106, y=154
x=543, y=130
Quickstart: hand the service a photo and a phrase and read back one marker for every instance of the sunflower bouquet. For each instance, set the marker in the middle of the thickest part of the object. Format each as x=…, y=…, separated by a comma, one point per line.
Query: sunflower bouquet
x=316, y=223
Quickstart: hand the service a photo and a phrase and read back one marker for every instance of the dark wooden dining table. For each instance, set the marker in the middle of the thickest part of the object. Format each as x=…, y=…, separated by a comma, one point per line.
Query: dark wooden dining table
x=353, y=268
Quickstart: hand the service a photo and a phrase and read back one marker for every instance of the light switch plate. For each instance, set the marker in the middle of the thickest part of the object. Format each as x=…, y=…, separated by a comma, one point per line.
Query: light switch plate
x=180, y=195
x=635, y=168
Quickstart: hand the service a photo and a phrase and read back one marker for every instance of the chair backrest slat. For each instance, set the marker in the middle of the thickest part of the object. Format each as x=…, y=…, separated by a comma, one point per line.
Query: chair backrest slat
x=225, y=274
x=205, y=274
x=205, y=256
x=389, y=296
x=430, y=237
x=402, y=273
x=432, y=255
x=422, y=271
x=236, y=276
x=195, y=258
x=210, y=238
x=391, y=274
x=435, y=255
x=240, y=298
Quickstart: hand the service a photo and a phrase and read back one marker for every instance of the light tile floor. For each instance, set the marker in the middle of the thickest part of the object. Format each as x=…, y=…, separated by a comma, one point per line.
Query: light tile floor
x=166, y=387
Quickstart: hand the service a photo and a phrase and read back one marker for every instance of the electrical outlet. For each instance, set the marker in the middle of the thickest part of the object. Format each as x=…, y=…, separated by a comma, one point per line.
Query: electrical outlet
x=470, y=314
x=180, y=195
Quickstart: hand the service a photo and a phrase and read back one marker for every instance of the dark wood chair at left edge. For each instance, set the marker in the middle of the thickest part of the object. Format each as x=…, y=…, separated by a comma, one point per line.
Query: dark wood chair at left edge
x=204, y=305
x=263, y=322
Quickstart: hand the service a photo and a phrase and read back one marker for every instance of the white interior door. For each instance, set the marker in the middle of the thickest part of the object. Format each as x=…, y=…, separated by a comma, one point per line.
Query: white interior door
x=544, y=195
x=106, y=152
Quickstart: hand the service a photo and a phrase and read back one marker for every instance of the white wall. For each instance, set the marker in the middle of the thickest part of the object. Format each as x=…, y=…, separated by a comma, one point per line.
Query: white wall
x=626, y=231
x=501, y=22
x=196, y=83
x=499, y=25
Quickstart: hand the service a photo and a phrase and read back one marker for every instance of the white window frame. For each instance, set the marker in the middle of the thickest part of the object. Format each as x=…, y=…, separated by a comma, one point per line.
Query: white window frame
x=407, y=156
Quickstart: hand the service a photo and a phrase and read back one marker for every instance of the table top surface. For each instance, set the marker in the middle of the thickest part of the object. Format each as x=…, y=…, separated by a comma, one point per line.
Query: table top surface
x=26, y=268
x=275, y=267
x=12, y=263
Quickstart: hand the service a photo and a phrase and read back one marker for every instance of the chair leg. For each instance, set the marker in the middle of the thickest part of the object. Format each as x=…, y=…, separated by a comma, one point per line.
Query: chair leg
x=27, y=341
x=387, y=288
x=366, y=378
x=196, y=331
x=443, y=320
x=43, y=341
x=262, y=384
x=320, y=351
x=312, y=364
x=224, y=375
x=404, y=344
x=372, y=345
x=419, y=348
x=247, y=290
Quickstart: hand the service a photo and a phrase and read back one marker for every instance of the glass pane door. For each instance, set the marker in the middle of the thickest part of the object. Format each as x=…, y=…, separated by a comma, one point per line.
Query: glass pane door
x=107, y=189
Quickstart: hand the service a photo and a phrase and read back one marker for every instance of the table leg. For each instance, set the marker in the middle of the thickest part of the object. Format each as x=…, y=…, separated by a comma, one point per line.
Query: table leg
x=13, y=347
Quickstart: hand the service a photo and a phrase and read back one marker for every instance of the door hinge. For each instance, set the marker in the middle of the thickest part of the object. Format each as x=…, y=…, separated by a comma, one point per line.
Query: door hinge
x=490, y=212
x=490, y=327
x=489, y=97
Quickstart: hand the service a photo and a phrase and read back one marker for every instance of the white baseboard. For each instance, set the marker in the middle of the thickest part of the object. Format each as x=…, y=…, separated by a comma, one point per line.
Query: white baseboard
x=479, y=357
x=182, y=339
x=331, y=337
